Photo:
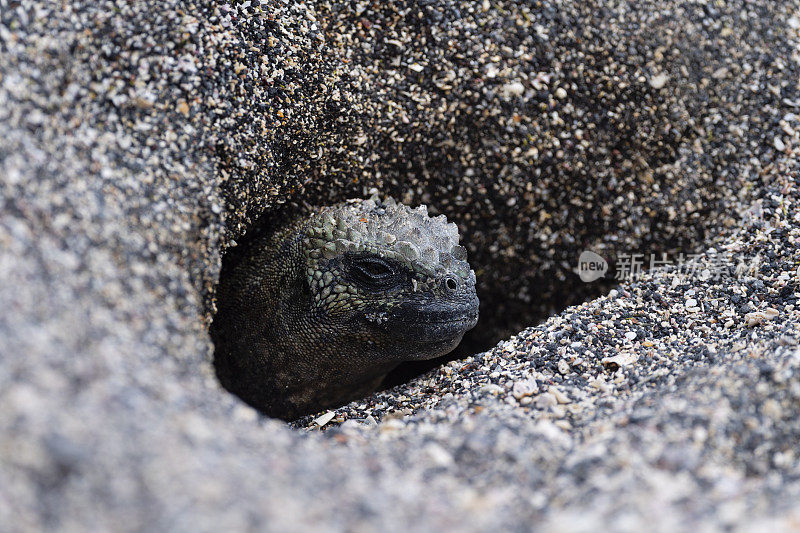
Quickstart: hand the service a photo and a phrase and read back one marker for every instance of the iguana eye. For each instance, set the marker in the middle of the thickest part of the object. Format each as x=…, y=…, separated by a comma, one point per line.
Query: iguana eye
x=374, y=269
x=373, y=272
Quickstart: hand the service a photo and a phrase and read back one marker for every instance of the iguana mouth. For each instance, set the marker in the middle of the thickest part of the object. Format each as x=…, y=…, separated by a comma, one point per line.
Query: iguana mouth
x=436, y=331
x=441, y=321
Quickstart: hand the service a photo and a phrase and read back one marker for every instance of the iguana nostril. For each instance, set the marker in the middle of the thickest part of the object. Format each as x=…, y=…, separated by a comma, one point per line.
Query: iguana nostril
x=450, y=284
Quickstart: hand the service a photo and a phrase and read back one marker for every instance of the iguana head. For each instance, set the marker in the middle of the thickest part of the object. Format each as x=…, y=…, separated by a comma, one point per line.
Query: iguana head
x=315, y=313
x=393, y=274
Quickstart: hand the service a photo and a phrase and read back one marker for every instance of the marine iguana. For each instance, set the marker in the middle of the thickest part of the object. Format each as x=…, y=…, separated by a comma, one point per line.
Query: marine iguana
x=315, y=313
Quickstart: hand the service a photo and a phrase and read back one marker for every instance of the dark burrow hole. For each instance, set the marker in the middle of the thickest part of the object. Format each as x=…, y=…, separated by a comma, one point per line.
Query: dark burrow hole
x=561, y=294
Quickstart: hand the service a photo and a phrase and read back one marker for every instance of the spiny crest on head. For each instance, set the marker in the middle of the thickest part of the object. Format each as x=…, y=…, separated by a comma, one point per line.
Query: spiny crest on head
x=389, y=229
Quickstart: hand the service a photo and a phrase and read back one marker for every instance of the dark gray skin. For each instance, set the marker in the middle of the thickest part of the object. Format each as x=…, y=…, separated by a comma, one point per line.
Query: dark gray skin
x=310, y=318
